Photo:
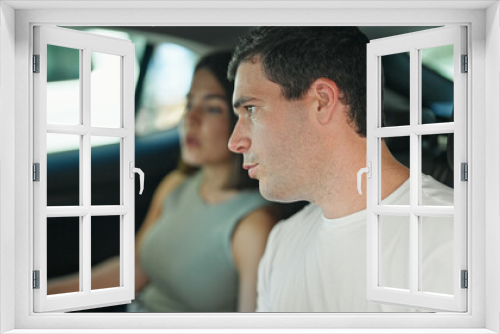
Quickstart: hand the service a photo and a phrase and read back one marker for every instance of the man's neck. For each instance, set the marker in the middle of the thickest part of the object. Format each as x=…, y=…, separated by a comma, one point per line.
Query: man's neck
x=343, y=199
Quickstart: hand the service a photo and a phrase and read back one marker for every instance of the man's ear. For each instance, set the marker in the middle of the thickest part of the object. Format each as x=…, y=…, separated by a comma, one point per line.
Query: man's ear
x=326, y=95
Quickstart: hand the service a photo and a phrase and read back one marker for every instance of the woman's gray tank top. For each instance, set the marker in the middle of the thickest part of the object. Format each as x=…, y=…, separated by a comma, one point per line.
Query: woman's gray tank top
x=187, y=254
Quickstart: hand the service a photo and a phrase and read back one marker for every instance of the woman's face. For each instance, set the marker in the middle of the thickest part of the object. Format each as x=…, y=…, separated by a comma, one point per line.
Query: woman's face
x=205, y=125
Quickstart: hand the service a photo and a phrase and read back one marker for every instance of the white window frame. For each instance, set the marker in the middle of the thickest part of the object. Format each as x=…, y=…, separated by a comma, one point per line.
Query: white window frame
x=85, y=43
x=413, y=44
x=484, y=49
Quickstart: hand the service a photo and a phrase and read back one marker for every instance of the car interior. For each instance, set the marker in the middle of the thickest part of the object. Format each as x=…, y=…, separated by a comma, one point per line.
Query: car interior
x=165, y=59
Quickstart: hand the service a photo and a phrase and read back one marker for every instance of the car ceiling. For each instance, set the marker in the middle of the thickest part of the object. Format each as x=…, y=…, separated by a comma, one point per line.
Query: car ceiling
x=220, y=37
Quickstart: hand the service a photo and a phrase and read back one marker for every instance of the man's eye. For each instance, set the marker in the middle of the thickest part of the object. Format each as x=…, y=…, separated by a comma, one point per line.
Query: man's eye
x=250, y=109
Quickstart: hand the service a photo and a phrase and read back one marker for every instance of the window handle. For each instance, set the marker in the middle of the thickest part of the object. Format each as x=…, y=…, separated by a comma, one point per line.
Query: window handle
x=368, y=171
x=141, y=175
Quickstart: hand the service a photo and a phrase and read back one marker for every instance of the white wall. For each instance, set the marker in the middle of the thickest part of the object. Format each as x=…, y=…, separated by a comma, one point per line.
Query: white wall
x=492, y=156
x=7, y=159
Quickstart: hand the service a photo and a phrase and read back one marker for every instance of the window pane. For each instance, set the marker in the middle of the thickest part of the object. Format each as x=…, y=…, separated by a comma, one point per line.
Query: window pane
x=105, y=91
x=105, y=244
x=437, y=84
x=396, y=100
x=105, y=156
x=63, y=170
x=437, y=161
x=63, y=85
x=63, y=248
x=394, y=240
x=166, y=85
x=400, y=149
x=437, y=254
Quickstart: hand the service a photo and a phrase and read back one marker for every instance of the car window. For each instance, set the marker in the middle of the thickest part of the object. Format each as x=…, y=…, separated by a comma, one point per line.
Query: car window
x=166, y=84
x=63, y=85
x=160, y=106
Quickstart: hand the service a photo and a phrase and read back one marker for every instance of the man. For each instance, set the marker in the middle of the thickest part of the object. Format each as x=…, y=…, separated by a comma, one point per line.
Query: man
x=300, y=95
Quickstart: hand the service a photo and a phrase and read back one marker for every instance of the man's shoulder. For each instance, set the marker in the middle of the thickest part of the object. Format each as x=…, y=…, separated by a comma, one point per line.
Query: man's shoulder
x=436, y=193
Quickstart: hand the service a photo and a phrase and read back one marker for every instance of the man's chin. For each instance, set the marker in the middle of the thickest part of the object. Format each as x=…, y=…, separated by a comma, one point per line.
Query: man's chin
x=276, y=194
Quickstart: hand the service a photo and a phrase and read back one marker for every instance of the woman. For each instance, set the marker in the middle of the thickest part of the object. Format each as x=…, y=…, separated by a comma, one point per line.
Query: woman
x=199, y=247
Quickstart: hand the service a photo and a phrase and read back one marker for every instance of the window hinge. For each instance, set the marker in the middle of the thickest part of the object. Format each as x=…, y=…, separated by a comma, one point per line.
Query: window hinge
x=465, y=64
x=465, y=279
x=36, y=279
x=36, y=63
x=36, y=172
x=465, y=171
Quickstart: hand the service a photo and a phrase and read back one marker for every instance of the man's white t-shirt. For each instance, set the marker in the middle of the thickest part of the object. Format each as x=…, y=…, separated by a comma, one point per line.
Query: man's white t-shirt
x=315, y=264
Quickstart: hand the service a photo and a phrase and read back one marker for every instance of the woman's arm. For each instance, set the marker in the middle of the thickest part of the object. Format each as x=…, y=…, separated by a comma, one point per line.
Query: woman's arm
x=249, y=243
x=107, y=274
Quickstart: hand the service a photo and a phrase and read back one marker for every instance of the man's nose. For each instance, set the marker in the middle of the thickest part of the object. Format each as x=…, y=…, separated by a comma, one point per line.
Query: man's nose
x=239, y=142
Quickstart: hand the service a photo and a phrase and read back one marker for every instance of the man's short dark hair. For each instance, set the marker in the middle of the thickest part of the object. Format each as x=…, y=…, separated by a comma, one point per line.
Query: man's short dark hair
x=294, y=57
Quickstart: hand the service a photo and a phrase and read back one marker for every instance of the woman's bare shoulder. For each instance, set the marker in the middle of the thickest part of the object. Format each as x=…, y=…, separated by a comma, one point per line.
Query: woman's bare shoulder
x=169, y=183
